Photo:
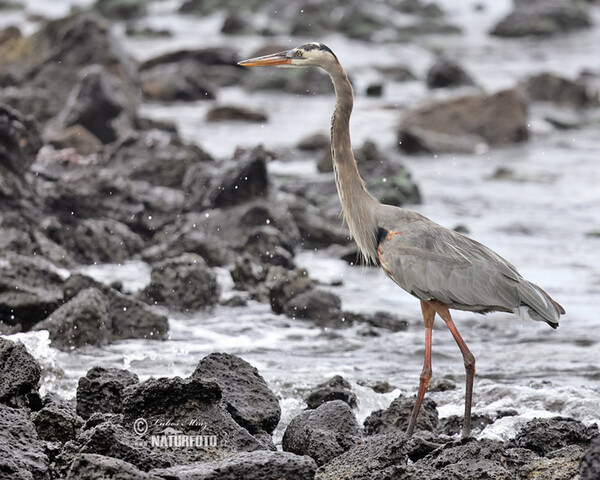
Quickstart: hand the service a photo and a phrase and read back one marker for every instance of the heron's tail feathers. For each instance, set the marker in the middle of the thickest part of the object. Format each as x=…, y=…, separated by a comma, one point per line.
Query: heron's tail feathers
x=538, y=305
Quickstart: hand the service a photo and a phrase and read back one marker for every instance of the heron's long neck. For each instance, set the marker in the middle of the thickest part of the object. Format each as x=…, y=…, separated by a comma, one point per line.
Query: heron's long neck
x=358, y=205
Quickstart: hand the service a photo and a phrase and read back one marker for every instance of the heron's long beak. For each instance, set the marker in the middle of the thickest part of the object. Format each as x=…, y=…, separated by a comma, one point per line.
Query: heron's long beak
x=280, y=58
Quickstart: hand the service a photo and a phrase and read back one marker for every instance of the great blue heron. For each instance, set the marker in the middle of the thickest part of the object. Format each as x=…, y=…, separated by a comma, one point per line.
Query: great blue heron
x=441, y=267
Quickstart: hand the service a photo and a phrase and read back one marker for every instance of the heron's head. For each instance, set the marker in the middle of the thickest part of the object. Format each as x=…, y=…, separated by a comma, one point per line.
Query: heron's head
x=310, y=55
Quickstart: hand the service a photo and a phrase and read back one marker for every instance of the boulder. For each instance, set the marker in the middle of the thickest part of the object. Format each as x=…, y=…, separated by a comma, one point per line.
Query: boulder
x=57, y=422
x=76, y=137
x=259, y=465
x=590, y=462
x=243, y=180
x=562, y=464
x=282, y=285
x=314, y=142
x=182, y=81
x=21, y=140
x=396, y=417
x=270, y=246
x=317, y=231
x=83, y=320
x=336, y=388
x=545, y=435
x=19, y=376
x=309, y=81
x=385, y=320
x=447, y=73
x=121, y=9
x=90, y=466
x=320, y=306
x=30, y=290
x=548, y=87
x=461, y=124
x=323, y=433
x=184, y=283
x=101, y=390
x=245, y=393
x=547, y=17
x=188, y=240
x=232, y=112
x=22, y=453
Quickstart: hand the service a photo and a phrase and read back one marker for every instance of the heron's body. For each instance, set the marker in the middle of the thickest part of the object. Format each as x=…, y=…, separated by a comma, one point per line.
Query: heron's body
x=442, y=268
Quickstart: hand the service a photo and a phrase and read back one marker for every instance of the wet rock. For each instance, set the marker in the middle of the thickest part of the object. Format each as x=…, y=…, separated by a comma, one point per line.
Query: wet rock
x=396, y=189
x=283, y=284
x=323, y=433
x=248, y=272
x=336, y=388
x=121, y=9
x=461, y=124
x=452, y=425
x=19, y=376
x=50, y=61
x=89, y=466
x=545, y=435
x=232, y=112
x=322, y=307
x=30, y=290
x=543, y=18
x=102, y=241
x=77, y=137
x=245, y=393
x=374, y=90
x=21, y=140
x=184, y=283
x=129, y=317
x=298, y=81
x=83, y=320
x=562, y=464
x=182, y=81
x=316, y=141
x=590, y=462
x=21, y=452
x=316, y=231
x=397, y=73
x=396, y=417
x=383, y=320
x=57, y=422
x=99, y=103
x=234, y=25
x=271, y=246
x=244, y=179
x=380, y=456
x=206, y=56
x=159, y=159
x=101, y=390
x=260, y=465
x=191, y=406
x=447, y=73
x=548, y=87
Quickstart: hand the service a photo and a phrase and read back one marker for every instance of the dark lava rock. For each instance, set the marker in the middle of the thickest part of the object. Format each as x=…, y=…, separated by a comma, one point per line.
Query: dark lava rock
x=98, y=103
x=121, y=9
x=461, y=124
x=21, y=140
x=90, y=466
x=452, y=425
x=245, y=179
x=545, y=435
x=271, y=246
x=21, y=452
x=543, y=18
x=101, y=390
x=316, y=231
x=129, y=317
x=309, y=81
x=548, y=87
x=207, y=56
x=233, y=112
x=283, y=284
x=322, y=307
x=57, y=422
x=396, y=417
x=184, y=283
x=374, y=90
x=77, y=137
x=19, y=376
x=260, y=465
x=30, y=289
x=191, y=406
x=171, y=82
x=316, y=141
x=378, y=457
x=383, y=320
x=590, y=463
x=248, y=272
x=83, y=320
x=336, y=388
x=562, y=464
x=446, y=73
x=245, y=393
x=234, y=24
x=323, y=433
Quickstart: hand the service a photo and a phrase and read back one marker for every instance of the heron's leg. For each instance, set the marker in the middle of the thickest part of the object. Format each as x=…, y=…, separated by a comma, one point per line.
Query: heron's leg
x=428, y=317
x=469, y=360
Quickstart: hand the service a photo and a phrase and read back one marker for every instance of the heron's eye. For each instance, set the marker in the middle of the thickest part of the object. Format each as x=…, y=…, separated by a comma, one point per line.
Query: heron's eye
x=298, y=53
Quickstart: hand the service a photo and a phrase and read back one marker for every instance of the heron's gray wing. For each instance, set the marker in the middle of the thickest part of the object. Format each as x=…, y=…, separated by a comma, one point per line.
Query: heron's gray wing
x=432, y=262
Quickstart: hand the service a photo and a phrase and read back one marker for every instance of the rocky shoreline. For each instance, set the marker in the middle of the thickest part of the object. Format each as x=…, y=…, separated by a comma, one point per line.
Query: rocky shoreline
x=218, y=424
x=85, y=179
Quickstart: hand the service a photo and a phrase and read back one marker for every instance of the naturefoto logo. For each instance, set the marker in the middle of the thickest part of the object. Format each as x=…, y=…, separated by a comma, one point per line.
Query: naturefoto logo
x=171, y=437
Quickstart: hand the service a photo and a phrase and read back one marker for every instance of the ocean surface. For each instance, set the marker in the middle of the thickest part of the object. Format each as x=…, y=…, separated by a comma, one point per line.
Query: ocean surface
x=540, y=220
